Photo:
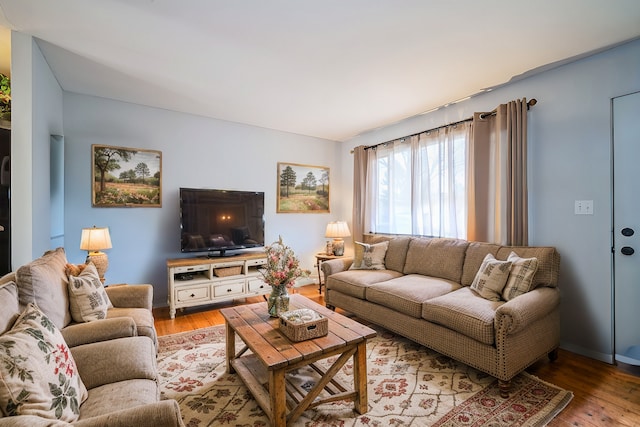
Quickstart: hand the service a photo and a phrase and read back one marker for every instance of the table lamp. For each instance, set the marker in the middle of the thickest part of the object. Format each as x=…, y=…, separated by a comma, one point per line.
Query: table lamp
x=337, y=230
x=94, y=240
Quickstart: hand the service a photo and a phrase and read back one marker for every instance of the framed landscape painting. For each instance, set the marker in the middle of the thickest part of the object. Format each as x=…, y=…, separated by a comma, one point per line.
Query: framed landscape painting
x=303, y=188
x=126, y=177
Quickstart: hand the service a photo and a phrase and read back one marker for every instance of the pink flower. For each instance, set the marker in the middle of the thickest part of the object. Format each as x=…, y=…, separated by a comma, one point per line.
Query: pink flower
x=282, y=265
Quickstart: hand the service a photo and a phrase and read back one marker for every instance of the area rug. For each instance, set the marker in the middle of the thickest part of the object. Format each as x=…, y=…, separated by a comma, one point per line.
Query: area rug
x=408, y=385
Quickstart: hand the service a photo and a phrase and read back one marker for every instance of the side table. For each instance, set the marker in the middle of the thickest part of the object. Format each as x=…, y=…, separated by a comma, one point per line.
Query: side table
x=320, y=257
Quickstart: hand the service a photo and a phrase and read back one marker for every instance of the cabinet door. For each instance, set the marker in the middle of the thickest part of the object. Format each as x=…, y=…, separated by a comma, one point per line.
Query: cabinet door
x=258, y=286
x=228, y=287
x=193, y=294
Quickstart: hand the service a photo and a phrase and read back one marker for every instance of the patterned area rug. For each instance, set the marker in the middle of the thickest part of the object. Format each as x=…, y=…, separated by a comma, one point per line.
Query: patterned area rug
x=409, y=385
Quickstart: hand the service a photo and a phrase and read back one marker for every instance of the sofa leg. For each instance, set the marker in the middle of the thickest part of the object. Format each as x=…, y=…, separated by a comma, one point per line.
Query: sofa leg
x=331, y=307
x=505, y=388
x=553, y=354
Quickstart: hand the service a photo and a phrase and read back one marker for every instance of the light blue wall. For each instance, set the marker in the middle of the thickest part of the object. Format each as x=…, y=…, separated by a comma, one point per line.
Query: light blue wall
x=196, y=152
x=569, y=158
x=37, y=114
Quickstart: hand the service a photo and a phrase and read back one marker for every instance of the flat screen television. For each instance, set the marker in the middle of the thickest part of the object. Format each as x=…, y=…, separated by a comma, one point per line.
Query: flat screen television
x=217, y=221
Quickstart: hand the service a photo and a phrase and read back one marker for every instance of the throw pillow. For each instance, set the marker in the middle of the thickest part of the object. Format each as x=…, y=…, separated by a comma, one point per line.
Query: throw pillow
x=44, y=283
x=74, y=269
x=10, y=308
x=369, y=257
x=491, y=278
x=38, y=374
x=521, y=276
x=88, y=300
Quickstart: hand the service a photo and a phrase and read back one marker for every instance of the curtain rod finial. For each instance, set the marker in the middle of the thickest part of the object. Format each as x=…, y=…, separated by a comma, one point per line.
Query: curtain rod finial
x=532, y=102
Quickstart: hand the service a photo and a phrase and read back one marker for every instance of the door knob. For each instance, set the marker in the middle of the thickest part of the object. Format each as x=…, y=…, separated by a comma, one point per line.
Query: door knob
x=627, y=250
x=627, y=232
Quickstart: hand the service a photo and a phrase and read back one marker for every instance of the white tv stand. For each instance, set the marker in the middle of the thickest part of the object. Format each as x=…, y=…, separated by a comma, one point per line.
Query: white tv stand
x=199, y=281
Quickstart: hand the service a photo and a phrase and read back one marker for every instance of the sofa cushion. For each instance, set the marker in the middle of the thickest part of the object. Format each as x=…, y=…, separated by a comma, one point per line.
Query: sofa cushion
x=465, y=312
x=10, y=307
x=43, y=282
x=122, y=359
x=369, y=256
x=407, y=293
x=439, y=257
x=476, y=251
x=521, y=276
x=548, y=262
x=42, y=378
x=397, y=253
x=417, y=252
x=113, y=397
x=491, y=278
x=355, y=282
x=88, y=300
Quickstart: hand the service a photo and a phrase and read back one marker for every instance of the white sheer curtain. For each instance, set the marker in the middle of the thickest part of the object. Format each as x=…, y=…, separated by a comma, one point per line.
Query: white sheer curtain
x=419, y=184
x=390, y=177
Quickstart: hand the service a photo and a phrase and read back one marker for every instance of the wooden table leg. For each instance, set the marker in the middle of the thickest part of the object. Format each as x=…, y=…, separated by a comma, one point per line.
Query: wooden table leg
x=277, y=395
x=318, y=262
x=230, y=341
x=361, y=401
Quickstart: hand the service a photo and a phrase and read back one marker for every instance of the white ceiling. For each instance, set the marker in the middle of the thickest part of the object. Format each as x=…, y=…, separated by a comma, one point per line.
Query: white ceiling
x=325, y=68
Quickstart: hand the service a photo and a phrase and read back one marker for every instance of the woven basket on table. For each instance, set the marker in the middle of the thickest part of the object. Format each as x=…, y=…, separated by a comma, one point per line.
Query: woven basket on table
x=303, y=324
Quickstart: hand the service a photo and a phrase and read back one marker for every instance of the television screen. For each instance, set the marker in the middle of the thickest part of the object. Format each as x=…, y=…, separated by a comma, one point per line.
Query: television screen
x=220, y=220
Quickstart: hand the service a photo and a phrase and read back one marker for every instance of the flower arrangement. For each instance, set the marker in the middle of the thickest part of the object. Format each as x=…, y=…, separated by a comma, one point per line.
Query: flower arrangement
x=283, y=267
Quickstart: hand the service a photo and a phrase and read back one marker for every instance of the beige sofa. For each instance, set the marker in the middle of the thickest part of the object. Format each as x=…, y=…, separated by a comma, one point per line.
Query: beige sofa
x=115, y=358
x=423, y=292
x=45, y=283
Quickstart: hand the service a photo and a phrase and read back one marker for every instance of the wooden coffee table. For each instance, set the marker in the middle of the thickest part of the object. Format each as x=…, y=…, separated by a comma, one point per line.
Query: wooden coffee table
x=264, y=370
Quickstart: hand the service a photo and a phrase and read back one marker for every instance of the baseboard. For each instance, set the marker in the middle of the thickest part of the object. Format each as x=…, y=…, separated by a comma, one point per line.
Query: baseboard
x=603, y=357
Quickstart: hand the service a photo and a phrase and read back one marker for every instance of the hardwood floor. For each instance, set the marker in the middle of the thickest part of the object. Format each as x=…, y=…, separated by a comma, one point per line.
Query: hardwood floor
x=603, y=394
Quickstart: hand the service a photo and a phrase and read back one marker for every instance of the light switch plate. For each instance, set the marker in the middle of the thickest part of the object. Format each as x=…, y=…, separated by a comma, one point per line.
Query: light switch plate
x=584, y=207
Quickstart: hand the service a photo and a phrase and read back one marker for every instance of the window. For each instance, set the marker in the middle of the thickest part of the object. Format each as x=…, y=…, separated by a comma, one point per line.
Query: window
x=418, y=184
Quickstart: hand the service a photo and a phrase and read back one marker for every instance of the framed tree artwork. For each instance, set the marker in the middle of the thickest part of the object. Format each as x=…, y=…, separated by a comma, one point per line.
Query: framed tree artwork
x=303, y=188
x=126, y=177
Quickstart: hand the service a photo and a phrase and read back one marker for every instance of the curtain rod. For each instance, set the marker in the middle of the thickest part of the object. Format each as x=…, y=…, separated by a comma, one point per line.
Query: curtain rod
x=531, y=103
x=423, y=131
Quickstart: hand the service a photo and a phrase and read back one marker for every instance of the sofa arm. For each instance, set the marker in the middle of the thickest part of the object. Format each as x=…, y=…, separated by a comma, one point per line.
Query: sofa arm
x=117, y=360
x=333, y=266
x=131, y=296
x=165, y=413
x=31, y=421
x=521, y=311
x=99, y=330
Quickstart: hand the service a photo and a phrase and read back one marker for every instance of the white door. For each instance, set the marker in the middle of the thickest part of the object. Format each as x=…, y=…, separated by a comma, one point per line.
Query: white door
x=626, y=227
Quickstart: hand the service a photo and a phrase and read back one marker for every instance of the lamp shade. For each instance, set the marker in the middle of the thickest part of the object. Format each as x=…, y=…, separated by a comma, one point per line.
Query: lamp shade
x=95, y=239
x=337, y=230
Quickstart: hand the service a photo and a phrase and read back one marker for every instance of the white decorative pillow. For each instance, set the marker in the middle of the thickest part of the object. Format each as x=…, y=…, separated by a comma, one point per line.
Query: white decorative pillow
x=369, y=257
x=87, y=298
x=521, y=276
x=491, y=278
x=38, y=374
